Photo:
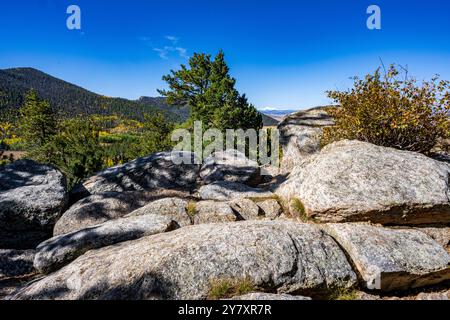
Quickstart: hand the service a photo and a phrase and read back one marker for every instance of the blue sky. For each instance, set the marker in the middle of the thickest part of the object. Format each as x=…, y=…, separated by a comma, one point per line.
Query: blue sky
x=284, y=54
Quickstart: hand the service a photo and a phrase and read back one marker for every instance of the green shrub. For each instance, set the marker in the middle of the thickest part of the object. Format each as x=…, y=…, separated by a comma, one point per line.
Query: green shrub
x=392, y=111
x=75, y=149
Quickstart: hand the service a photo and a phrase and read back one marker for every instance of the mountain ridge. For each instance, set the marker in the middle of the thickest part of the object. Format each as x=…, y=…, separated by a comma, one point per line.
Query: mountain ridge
x=69, y=99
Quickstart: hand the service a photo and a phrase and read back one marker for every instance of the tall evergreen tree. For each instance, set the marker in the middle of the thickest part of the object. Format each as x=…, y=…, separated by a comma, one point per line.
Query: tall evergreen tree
x=209, y=90
x=38, y=123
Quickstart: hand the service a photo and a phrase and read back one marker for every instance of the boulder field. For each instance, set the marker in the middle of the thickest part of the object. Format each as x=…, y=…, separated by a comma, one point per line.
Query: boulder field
x=350, y=220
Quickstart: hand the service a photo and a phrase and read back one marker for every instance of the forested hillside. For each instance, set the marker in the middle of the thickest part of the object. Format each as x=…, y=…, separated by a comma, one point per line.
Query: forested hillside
x=70, y=100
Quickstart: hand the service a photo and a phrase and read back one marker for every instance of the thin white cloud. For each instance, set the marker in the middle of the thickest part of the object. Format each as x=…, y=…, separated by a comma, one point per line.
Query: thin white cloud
x=163, y=52
x=182, y=52
x=166, y=51
x=172, y=39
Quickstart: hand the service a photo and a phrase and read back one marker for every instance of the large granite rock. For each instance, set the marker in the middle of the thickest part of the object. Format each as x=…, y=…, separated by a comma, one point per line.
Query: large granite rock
x=99, y=208
x=440, y=235
x=60, y=250
x=246, y=209
x=32, y=198
x=392, y=259
x=213, y=212
x=356, y=181
x=270, y=208
x=300, y=135
x=175, y=208
x=159, y=170
x=282, y=257
x=225, y=190
x=230, y=165
x=443, y=296
x=256, y=296
x=16, y=263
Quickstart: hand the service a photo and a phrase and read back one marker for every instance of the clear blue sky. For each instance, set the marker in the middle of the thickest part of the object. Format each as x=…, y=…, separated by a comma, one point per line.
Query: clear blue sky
x=284, y=54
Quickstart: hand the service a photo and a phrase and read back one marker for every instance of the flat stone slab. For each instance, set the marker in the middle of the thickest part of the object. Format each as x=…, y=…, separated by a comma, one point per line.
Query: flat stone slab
x=60, y=250
x=175, y=208
x=389, y=259
x=225, y=191
x=277, y=256
x=269, y=296
x=213, y=212
x=434, y=296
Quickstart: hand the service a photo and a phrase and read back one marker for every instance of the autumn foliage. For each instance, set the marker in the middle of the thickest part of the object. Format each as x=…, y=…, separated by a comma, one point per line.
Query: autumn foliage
x=392, y=110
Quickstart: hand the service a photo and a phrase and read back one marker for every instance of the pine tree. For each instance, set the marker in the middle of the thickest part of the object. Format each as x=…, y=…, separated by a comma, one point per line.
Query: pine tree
x=209, y=90
x=38, y=123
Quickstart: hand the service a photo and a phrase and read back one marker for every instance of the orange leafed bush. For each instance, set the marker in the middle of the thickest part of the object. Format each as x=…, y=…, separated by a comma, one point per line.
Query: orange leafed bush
x=392, y=110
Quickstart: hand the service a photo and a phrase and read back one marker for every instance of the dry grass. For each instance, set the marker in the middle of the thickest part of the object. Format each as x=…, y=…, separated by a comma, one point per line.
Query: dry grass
x=228, y=288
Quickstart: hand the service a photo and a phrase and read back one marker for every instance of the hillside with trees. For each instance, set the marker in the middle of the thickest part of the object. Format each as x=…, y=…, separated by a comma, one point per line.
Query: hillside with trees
x=69, y=100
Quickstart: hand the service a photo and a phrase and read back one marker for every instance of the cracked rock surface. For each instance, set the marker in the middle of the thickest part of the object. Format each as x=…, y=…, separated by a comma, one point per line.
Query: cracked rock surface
x=392, y=259
x=282, y=257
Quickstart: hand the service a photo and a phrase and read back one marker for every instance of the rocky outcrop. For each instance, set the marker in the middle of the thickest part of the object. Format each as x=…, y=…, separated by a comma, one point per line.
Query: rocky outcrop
x=282, y=257
x=159, y=170
x=59, y=251
x=16, y=263
x=225, y=191
x=175, y=208
x=355, y=181
x=32, y=198
x=300, y=135
x=213, y=212
x=392, y=259
x=230, y=165
x=269, y=296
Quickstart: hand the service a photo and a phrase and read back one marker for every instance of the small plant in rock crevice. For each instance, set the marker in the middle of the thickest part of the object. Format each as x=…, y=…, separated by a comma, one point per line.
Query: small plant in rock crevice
x=228, y=288
x=297, y=210
x=343, y=294
x=191, y=209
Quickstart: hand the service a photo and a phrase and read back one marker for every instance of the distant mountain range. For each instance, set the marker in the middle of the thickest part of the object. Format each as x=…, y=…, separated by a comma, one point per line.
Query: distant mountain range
x=276, y=114
x=69, y=100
